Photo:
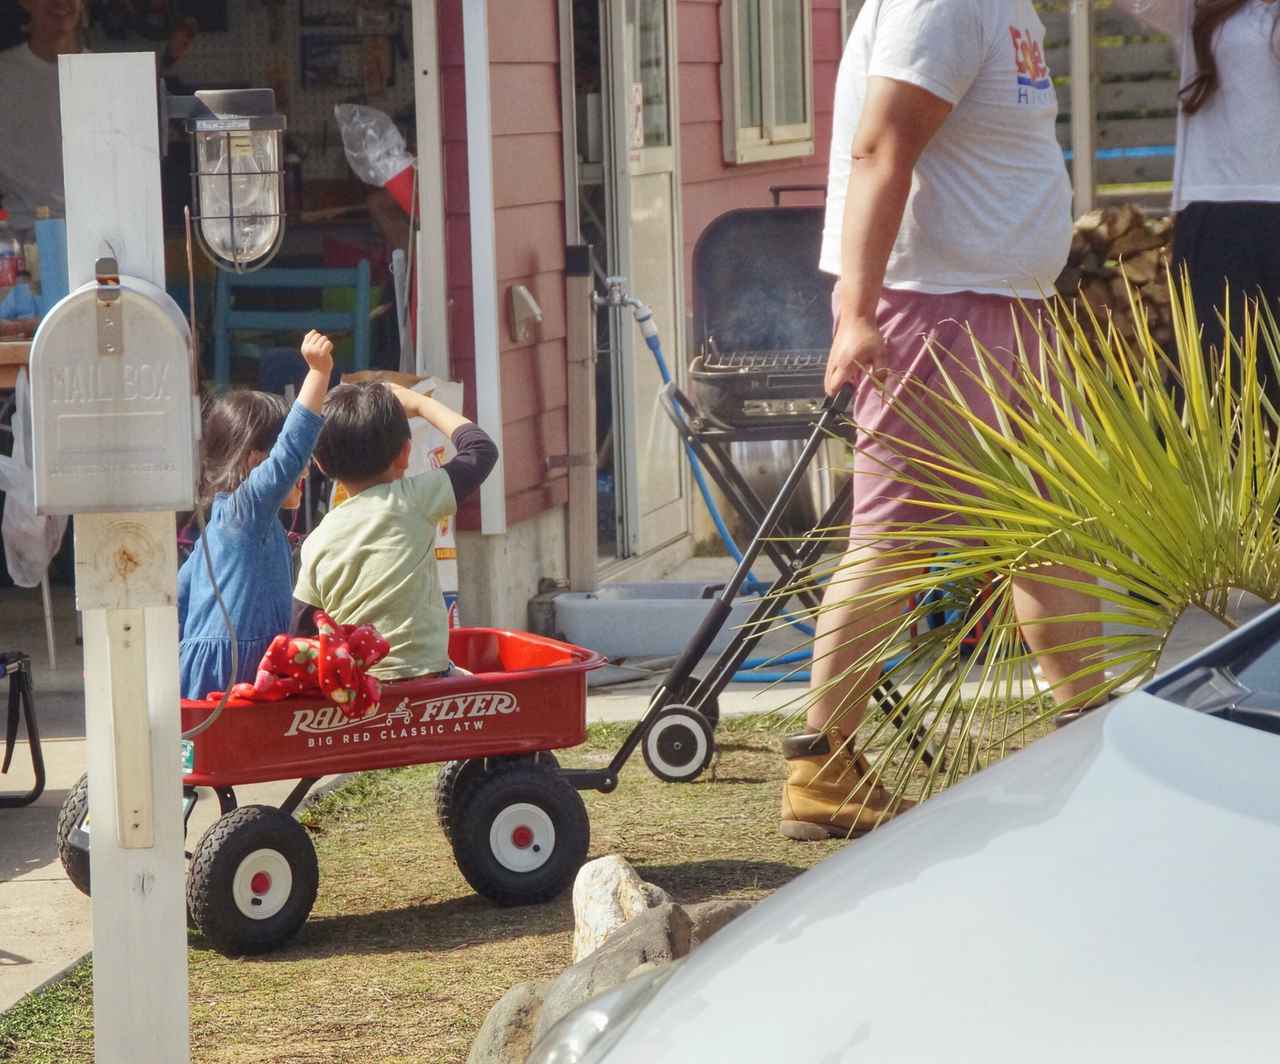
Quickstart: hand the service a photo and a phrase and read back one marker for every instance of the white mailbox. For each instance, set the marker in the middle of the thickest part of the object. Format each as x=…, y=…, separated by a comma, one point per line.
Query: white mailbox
x=114, y=420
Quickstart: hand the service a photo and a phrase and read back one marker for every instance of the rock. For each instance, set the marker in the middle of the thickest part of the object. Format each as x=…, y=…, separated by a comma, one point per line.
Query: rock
x=506, y=1036
x=1068, y=281
x=606, y=894
x=1142, y=268
x=1137, y=239
x=657, y=935
x=708, y=917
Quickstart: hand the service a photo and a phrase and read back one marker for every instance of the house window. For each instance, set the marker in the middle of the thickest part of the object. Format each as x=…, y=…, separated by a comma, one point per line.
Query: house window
x=767, y=79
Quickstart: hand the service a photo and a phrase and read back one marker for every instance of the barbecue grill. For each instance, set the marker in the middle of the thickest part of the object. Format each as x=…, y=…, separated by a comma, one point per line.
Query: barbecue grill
x=762, y=319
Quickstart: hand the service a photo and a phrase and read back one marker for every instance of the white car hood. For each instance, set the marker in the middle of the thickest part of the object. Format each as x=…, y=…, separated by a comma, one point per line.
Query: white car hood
x=1110, y=893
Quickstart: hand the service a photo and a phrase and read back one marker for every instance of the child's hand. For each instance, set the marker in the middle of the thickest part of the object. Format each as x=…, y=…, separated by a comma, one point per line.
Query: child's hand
x=408, y=398
x=317, y=352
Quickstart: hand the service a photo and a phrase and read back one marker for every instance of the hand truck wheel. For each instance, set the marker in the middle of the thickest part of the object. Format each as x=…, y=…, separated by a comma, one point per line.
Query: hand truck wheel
x=678, y=744
x=710, y=709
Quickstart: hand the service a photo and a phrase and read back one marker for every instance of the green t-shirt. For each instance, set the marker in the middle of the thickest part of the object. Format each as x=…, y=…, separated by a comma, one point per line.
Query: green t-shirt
x=372, y=560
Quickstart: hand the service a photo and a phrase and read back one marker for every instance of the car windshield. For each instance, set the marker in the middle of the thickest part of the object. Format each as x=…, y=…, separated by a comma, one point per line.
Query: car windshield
x=1239, y=681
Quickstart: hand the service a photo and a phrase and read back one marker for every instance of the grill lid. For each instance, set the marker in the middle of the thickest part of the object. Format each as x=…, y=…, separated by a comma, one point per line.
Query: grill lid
x=756, y=282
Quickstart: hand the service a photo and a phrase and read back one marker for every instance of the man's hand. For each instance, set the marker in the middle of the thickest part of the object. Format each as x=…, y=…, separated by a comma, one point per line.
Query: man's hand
x=317, y=352
x=858, y=348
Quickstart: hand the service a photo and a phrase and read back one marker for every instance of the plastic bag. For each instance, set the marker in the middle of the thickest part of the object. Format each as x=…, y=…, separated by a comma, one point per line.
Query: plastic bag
x=30, y=541
x=375, y=147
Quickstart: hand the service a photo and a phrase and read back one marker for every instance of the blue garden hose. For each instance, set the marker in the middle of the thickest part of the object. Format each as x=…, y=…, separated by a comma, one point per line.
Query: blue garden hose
x=749, y=671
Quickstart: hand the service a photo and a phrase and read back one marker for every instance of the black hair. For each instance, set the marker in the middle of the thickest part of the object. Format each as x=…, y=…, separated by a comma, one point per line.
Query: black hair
x=365, y=429
x=235, y=426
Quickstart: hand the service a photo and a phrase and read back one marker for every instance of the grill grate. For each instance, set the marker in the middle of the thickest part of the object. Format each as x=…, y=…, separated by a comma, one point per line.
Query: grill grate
x=764, y=361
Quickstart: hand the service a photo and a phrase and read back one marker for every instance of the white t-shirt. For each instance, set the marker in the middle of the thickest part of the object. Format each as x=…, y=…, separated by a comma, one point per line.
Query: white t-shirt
x=30, y=136
x=990, y=203
x=1229, y=150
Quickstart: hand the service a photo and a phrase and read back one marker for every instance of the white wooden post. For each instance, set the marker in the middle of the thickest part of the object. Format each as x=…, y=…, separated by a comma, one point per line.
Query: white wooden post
x=484, y=255
x=1083, y=118
x=432, y=341
x=126, y=567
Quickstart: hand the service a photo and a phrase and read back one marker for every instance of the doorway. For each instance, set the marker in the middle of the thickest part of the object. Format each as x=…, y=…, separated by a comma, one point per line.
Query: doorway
x=629, y=211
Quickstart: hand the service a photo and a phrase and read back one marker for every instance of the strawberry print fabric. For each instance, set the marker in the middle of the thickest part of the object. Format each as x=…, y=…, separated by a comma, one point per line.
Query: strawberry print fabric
x=334, y=664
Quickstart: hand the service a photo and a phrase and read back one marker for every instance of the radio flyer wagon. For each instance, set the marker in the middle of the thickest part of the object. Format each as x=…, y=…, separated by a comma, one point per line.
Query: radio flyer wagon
x=516, y=823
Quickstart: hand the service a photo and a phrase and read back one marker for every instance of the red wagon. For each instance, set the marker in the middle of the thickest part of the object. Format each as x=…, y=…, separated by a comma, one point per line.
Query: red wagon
x=517, y=825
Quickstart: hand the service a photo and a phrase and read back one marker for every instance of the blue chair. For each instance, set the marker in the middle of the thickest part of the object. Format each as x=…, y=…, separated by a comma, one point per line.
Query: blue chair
x=226, y=319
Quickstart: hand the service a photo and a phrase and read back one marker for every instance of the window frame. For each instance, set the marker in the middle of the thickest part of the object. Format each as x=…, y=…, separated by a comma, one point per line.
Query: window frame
x=848, y=13
x=767, y=141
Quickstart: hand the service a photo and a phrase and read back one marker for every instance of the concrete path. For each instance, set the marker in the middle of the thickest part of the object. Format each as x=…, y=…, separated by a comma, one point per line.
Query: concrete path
x=45, y=921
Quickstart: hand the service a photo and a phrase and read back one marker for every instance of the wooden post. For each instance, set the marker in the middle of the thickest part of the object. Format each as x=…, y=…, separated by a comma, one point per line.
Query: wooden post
x=582, y=535
x=484, y=255
x=1083, y=116
x=126, y=577
x=432, y=341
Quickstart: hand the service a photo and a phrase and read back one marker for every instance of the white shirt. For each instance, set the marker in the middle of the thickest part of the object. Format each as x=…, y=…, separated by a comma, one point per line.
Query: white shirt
x=30, y=136
x=1229, y=150
x=990, y=204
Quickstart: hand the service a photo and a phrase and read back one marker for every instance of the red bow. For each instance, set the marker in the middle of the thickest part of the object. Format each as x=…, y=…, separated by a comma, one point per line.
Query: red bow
x=333, y=664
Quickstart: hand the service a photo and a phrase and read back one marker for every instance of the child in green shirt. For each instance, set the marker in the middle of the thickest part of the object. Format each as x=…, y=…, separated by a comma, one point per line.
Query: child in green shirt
x=372, y=560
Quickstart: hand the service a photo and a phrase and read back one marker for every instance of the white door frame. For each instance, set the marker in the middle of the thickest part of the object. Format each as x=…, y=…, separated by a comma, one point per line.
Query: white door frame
x=431, y=344
x=620, y=170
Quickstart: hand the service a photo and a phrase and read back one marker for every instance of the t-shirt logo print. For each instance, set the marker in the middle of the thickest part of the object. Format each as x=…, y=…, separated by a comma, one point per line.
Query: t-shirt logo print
x=1033, y=73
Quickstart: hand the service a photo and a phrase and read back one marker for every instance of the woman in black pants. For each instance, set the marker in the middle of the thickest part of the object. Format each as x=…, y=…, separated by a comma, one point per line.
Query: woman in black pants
x=1226, y=178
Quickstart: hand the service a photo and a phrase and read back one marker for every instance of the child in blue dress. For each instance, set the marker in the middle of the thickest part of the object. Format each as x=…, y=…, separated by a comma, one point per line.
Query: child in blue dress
x=254, y=453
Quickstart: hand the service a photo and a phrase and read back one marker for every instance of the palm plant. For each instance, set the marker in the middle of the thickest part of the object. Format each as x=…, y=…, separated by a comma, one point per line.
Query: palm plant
x=1145, y=478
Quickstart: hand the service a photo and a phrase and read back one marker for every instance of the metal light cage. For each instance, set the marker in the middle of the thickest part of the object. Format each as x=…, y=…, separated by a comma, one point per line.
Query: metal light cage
x=237, y=144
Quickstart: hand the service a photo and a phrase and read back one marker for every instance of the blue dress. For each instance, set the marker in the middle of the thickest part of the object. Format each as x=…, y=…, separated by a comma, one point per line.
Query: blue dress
x=251, y=559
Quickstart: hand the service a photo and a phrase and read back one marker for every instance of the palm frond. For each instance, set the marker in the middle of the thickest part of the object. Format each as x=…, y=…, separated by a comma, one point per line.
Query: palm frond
x=1147, y=479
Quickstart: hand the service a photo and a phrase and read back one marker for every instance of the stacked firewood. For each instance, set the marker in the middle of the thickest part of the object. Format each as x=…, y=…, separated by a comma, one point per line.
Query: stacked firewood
x=1111, y=244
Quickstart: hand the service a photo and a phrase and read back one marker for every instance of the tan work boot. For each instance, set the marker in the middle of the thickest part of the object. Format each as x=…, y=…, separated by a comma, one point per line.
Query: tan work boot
x=826, y=797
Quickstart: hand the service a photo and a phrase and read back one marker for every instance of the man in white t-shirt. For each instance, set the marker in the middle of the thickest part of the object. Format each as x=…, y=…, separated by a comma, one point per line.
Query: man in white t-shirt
x=30, y=119
x=948, y=200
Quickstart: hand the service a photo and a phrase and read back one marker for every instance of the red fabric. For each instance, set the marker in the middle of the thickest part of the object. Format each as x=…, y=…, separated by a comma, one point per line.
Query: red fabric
x=333, y=664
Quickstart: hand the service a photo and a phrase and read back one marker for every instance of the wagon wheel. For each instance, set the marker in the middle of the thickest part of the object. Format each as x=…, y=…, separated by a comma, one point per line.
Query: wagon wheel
x=522, y=833
x=456, y=776
x=678, y=744
x=73, y=835
x=253, y=880
x=710, y=709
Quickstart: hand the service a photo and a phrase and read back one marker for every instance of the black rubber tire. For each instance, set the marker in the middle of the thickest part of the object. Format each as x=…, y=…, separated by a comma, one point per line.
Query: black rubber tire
x=451, y=785
x=678, y=745
x=214, y=863
x=710, y=711
x=75, y=859
x=505, y=785
x=456, y=776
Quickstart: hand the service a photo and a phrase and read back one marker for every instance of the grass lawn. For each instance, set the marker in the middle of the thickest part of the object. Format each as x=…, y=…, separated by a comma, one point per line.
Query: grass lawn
x=400, y=961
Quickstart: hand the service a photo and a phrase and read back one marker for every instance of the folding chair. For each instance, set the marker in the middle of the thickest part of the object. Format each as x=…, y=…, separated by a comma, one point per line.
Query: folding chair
x=227, y=319
x=17, y=666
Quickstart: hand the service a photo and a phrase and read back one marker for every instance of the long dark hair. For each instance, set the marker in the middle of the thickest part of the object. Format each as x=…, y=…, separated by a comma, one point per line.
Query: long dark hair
x=235, y=426
x=1209, y=16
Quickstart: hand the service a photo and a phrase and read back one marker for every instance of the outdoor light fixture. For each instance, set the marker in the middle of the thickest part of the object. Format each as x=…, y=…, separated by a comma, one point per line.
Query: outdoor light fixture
x=237, y=173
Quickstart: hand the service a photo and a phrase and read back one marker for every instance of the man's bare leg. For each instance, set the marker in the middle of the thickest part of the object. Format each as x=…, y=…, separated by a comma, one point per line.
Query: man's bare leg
x=1037, y=604
x=829, y=791
x=850, y=627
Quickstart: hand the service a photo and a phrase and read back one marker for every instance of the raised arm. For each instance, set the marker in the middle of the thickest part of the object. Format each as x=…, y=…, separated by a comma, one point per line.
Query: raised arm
x=270, y=482
x=897, y=121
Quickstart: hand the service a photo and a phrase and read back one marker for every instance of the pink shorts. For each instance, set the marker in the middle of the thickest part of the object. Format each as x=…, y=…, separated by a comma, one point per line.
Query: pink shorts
x=909, y=321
